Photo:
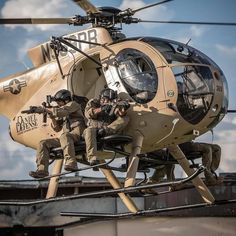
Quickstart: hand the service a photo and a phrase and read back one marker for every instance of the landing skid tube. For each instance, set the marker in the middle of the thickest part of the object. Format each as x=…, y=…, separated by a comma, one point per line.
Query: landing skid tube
x=145, y=212
x=114, y=191
x=137, y=188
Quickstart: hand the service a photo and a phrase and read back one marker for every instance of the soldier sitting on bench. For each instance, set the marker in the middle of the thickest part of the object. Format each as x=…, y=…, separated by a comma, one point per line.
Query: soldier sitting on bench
x=106, y=116
x=211, y=154
x=69, y=117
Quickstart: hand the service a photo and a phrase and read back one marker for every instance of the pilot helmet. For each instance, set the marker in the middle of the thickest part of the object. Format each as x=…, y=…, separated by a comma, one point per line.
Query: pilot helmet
x=62, y=95
x=108, y=93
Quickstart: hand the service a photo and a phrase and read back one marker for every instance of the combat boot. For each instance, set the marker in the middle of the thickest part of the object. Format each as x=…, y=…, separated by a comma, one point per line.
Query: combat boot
x=149, y=190
x=71, y=167
x=94, y=163
x=38, y=174
x=214, y=181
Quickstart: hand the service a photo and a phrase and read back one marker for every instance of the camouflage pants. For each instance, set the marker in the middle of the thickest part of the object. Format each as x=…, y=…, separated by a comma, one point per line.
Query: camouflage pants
x=90, y=135
x=162, y=171
x=210, y=158
x=66, y=141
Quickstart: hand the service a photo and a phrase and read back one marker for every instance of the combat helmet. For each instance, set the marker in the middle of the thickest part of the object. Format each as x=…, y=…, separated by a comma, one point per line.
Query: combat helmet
x=108, y=93
x=62, y=95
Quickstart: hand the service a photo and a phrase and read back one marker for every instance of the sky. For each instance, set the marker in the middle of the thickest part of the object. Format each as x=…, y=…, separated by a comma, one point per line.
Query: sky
x=218, y=42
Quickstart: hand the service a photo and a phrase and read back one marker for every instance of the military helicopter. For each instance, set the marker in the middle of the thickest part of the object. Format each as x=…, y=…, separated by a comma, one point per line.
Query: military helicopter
x=176, y=92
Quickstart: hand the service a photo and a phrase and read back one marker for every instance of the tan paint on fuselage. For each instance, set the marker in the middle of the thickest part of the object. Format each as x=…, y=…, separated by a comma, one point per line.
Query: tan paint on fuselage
x=43, y=53
x=153, y=120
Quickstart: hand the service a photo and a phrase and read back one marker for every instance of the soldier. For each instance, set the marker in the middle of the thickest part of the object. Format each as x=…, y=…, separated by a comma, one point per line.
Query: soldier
x=211, y=155
x=106, y=116
x=69, y=117
x=162, y=171
x=158, y=175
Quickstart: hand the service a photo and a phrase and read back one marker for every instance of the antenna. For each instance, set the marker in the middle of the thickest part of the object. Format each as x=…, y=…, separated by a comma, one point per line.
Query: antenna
x=188, y=41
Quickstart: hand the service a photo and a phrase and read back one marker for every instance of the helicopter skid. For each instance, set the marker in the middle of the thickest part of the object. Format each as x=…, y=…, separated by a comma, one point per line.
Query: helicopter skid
x=198, y=183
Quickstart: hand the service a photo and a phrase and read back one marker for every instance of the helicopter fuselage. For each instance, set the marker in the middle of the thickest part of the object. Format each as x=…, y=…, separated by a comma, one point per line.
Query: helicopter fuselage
x=176, y=92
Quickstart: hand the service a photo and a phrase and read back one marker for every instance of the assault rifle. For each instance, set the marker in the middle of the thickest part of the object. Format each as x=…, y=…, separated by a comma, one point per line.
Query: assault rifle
x=41, y=109
x=49, y=99
x=116, y=104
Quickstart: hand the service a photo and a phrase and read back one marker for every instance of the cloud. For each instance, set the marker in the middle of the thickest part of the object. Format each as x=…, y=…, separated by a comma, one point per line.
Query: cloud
x=228, y=163
x=16, y=169
x=29, y=43
x=15, y=159
x=133, y=4
x=229, y=119
x=192, y=33
x=227, y=50
x=33, y=8
x=226, y=136
x=226, y=139
x=197, y=31
x=227, y=124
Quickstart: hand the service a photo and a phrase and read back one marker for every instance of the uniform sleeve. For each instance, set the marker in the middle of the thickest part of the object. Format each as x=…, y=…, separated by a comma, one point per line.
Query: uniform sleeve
x=57, y=125
x=89, y=109
x=67, y=109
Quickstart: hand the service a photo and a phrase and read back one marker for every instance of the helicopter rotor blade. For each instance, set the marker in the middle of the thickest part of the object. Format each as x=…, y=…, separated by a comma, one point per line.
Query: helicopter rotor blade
x=34, y=21
x=151, y=5
x=87, y=6
x=189, y=22
x=231, y=111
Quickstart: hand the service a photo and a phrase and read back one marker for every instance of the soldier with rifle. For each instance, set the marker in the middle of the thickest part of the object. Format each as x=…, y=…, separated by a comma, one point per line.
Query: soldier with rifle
x=68, y=116
x=106, y=116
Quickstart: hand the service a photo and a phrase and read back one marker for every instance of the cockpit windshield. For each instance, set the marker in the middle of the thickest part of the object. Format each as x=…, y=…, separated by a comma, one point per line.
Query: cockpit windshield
x=195, y=91
x=138, y=74
x=175, y=52
x=196, y=78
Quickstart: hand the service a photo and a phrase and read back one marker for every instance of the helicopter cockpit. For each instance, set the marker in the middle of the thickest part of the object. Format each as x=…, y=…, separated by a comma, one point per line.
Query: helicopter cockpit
x=195, y=76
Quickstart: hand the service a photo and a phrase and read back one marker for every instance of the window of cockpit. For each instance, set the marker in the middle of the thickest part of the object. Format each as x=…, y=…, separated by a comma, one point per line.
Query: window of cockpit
x=175, y=52
x=195, y=91
x=138, y=74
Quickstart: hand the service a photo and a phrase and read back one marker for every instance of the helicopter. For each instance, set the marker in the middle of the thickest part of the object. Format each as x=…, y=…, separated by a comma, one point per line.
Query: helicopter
x=174, y=89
